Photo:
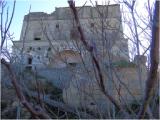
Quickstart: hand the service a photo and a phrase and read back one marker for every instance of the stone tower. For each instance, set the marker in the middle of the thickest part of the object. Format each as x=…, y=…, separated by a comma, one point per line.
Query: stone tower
x=43, y=35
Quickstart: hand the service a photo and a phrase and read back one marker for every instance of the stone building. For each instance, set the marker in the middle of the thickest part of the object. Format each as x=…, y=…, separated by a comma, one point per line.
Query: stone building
x=44, y=36
x=53, y=40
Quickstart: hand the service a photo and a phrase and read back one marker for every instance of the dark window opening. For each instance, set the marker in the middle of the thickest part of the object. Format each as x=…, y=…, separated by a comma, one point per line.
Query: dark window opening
x=57, y=25
x=49, y=49
x=92, y=103
x=72, y=64
x=37, y=38
x=39, y=48
x=29, y=61
x=92, y=24
x=30, y=48
x=29, y=67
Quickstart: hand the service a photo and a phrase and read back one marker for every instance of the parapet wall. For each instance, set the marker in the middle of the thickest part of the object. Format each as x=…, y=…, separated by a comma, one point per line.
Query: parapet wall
x=110, y=11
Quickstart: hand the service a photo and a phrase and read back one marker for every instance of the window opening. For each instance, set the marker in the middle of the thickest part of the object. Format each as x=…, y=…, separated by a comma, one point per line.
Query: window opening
x=37, y=38
x=57, y=25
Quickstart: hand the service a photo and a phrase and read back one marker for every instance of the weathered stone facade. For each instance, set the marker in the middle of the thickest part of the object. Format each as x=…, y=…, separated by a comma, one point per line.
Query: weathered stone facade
x=44, y=35
x=123, y=85
x=52, y=40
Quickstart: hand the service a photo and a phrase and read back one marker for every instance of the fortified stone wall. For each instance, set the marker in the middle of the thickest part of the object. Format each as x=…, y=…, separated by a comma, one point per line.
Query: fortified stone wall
x=123, y=85
x=40, y=29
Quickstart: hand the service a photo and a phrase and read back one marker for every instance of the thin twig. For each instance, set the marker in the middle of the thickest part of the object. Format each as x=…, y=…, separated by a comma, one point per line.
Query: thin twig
x=3, y=37
x=90, y=50
x=154, y=60
x=37, y=113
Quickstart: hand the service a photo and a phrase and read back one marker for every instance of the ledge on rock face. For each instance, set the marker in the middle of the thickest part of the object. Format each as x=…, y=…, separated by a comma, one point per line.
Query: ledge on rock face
x=123, y=63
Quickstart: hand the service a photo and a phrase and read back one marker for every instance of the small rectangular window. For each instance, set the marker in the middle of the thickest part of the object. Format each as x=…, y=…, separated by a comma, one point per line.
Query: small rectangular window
x=57, y=25
x=37, y=38
x=92, y=24
x=49, y=49
x=39, y=48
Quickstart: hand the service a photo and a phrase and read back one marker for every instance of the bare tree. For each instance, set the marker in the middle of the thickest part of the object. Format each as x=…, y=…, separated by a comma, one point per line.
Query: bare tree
x=5, y=23
x=41, y=105
x=154, y=60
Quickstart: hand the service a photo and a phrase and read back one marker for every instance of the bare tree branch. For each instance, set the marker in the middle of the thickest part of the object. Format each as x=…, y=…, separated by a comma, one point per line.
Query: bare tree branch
x=40, y=113
x=154, y=60
x=90, y=49
x=62, y=106
x=4, y=32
